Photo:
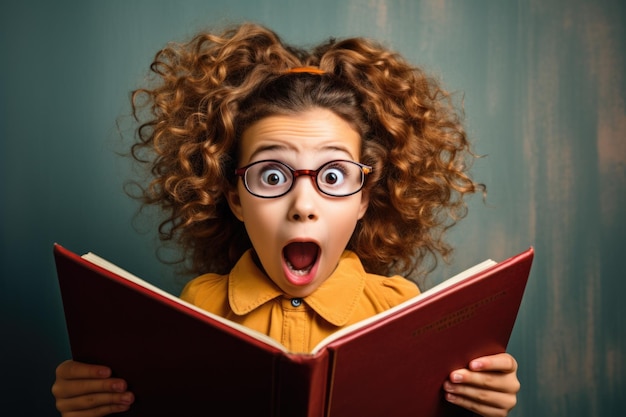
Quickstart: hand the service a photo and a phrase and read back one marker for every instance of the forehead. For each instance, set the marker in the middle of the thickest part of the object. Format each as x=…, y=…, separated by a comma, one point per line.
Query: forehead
x=313, y=132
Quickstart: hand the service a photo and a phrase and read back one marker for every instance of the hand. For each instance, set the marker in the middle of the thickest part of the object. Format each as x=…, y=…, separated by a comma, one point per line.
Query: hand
x=83, y=390
x=488, y=387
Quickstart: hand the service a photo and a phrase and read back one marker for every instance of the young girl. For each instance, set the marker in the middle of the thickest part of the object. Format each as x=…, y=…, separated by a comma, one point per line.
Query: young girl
x=288, y=174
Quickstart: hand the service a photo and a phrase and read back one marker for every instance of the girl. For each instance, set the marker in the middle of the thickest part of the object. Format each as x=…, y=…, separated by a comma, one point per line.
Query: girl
x=288, y=174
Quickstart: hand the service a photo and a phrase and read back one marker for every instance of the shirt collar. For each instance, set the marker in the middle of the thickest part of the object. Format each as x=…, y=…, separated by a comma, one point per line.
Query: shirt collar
x=335, y=300
x=249, y=286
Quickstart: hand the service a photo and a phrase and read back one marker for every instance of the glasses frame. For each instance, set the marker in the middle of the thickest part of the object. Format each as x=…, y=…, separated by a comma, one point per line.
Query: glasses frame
x=295, y=173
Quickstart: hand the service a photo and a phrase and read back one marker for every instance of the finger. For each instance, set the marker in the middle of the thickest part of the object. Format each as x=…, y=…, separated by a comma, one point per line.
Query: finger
x=97, y=412
x=78, y=370
x=480, y=408
x=94, y=404
x=494, y=381
x=101, y=411
x=487, y=397
x=76, y=387
x=502, y=362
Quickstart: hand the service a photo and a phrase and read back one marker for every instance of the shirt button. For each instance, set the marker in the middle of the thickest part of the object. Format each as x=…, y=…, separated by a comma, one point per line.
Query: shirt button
x=296, y=302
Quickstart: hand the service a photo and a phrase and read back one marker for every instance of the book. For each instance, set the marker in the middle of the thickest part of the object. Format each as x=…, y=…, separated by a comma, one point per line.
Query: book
x=181, y=360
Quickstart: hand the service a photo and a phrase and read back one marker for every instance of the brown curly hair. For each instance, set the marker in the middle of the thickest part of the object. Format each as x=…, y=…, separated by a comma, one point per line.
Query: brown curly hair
x=209, y=90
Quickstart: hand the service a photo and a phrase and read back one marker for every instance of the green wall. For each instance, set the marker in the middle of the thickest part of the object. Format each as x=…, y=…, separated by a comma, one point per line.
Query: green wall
x=544, y=89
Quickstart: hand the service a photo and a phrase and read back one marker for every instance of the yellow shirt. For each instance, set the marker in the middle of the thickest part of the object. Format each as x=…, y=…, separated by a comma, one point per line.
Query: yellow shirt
x=247, y=296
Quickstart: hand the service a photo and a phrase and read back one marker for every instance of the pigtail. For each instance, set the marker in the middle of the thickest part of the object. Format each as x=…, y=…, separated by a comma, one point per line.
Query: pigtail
x=188, y=133
x=419, y=148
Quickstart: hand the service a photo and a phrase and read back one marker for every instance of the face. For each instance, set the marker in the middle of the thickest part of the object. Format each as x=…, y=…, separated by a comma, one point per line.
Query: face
x=299, y=237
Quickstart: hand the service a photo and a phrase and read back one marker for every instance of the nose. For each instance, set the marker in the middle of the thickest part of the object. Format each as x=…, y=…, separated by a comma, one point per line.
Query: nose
x=304, y=196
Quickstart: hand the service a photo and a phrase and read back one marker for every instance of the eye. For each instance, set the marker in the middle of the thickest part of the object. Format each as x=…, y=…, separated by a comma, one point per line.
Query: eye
x=334, y=174
x=273, y=175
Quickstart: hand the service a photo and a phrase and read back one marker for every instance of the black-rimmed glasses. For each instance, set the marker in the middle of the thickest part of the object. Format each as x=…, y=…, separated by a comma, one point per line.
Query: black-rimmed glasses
x=271, y=178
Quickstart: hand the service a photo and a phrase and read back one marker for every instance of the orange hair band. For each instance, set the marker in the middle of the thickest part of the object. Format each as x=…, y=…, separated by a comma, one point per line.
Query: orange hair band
x=310, y=70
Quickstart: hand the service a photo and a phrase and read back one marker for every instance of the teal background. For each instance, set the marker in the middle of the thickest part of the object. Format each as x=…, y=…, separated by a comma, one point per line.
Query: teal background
x=544, y=90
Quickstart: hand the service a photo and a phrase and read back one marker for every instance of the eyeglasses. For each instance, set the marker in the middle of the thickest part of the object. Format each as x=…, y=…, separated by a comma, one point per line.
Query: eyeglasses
x=271, y=178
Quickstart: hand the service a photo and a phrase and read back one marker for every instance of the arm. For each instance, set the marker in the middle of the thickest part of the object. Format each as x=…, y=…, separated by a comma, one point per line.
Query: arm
x=487, y=387
x=83, y=390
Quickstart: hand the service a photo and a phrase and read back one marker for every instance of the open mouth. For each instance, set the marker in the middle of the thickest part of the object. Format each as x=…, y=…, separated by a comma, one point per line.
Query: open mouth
x=301, y=261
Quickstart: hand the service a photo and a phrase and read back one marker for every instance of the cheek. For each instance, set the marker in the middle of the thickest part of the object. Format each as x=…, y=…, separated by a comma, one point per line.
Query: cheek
x=343, y=222
x=259, y=219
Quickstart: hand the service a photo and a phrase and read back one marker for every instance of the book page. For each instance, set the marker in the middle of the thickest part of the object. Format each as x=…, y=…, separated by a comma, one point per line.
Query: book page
x=429, y=293
x=103, y=263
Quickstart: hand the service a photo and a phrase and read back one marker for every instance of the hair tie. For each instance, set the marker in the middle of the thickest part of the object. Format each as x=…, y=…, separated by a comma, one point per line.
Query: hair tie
x=309, y=70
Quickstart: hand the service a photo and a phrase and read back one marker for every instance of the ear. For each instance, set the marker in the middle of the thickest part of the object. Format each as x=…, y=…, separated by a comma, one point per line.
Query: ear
x=234, y=202
x=365, y=201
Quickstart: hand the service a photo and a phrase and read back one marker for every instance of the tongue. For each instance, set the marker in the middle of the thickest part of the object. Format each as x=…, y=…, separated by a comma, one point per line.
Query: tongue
x=301, y=254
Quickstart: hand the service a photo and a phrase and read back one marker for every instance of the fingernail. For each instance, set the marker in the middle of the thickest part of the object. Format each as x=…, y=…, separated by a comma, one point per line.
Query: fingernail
x=118, y=387
x=451, y=397
x=457, y=377
x=127, y=398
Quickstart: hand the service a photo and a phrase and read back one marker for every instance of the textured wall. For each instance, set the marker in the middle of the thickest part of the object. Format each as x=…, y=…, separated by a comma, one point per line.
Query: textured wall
x=543, y=84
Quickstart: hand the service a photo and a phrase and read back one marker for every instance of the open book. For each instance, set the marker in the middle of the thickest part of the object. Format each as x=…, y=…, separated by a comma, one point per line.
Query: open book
x=181, y=360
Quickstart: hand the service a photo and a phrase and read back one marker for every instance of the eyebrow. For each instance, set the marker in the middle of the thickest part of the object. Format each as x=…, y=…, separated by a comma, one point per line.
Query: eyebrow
x=268, y=148
x=281, y=147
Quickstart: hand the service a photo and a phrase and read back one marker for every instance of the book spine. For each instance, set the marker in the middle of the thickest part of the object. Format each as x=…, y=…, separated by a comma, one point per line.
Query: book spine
x=302, y=384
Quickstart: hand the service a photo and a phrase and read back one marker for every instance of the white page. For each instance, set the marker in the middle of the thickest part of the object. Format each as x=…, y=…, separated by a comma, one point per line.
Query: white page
x=103, y=263
x=434, y=290
x=95, y=259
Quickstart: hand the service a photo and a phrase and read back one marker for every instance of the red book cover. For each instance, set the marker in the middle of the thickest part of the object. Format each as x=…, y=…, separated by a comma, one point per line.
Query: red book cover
x=177, y=360
x=402, y=360
x=180, y=360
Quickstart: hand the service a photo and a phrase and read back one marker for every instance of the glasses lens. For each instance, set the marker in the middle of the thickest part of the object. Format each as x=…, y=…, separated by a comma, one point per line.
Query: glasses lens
x=268, y=178
x=340, y=178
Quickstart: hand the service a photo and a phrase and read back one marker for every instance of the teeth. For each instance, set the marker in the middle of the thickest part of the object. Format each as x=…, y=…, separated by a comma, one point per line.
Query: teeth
x=299, y=272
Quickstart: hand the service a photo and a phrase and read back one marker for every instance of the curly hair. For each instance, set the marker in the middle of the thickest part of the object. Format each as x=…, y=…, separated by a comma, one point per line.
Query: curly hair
x=208, y=91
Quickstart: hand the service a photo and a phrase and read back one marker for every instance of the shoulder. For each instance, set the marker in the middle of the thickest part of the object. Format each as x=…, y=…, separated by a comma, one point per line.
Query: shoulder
x=380, y=291
x=205, y=287
x=389, y=291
